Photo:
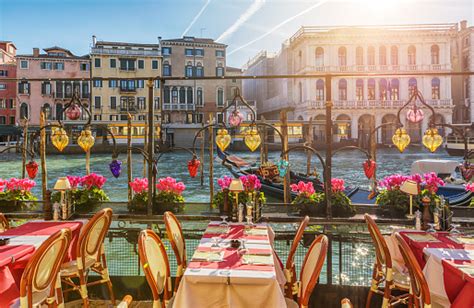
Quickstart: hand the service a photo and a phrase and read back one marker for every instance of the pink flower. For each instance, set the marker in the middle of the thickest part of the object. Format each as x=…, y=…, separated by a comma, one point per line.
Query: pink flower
x=432, y=182
x=393, y=181
x=170, y=185
x=250, y=182
x=3, y=184
x=224, y=182
x=19, y=184
x=302, y=188
x=139, y=185
x=337, y=185
x=75, y=181
x=93, y=180
x=469, y=187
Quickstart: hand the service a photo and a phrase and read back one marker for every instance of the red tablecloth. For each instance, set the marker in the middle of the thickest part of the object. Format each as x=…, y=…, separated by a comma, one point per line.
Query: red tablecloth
x=458, y=285
x=13, y=258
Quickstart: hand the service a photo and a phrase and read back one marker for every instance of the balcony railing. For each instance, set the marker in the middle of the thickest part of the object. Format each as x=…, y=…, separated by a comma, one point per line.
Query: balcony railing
x=128, y=90
x=126, y=52
x=374, y=68
x=179, y=107
x=372, y=104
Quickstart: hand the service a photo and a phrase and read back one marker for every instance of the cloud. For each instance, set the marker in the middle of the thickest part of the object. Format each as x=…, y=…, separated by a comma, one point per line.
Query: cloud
x=270, y=31
x=196, y=17
x=251, y=10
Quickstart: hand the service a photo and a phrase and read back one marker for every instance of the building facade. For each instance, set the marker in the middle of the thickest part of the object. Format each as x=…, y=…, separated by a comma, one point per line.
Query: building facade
x=359, y=101
x=231, y=86
x=465, y=63
x=50, y=96
x=7, y=88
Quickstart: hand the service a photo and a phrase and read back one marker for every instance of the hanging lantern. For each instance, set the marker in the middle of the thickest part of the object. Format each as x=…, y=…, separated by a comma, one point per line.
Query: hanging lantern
x=369, y=168
x=115, y=167
x=223, y=139
x=59, y=138
x=73, y=112
x=193, y=166
x=401, y=139
x=235, y=118
x=432, y=140
x=282, y=167
x=252, y=139
x=86, y=140
x=415, y=115
x=467, y=171
x=32, y=169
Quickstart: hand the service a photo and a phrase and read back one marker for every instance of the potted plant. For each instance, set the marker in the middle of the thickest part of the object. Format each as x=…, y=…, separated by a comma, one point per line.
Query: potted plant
x=391, y=201
x=140, y=195
x=307, y=199
x=168, y=196
x=341, y=205
x=15, y=194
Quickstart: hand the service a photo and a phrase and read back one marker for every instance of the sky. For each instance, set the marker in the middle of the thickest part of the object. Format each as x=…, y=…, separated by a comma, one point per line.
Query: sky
x=246, y=26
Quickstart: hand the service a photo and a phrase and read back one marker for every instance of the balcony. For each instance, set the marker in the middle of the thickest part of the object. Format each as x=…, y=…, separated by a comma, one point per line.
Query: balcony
x=308, y=69
x=372, y=104
x=127, y=90
x=179, y=107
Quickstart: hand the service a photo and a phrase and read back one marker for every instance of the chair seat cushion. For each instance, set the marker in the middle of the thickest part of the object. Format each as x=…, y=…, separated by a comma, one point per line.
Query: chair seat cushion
x=70, y=268
x=291, y=303
x=401, y=280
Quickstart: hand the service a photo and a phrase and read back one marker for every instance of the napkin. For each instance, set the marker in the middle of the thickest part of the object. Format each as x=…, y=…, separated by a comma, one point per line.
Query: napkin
x=422, y=237
x=462, y=239
x=217, y=230
x=255, y=231
x=211, y=256
x=257, y=259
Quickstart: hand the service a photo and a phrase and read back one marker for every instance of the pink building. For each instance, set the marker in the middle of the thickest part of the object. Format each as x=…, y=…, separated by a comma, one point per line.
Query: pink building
x=50, y=96
x=7, y=88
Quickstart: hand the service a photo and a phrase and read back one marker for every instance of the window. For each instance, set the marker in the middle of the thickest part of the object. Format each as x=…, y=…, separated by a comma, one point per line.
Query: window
x=394, y=90
x=199, y=70
x=127, y=85
x=359, y=89
x=46, y=65
x=199, y=52
x=199, y=97
x=3, y=120
x=68, y=89
x=189, y=95
x=359, y=56
x=3, y=86
x=97, y=102
x=220, y=117
x=166, y=69
x=320, y=90
x=156, y=104
x=182, y=95
x=113, y=102
x=141, y=64
x=24, y=64
x=127, y=103
x=141, y=103
x=97, y=117
x=156, y=84
x=411, y=86
x=113, y=63
x=166, y=118
x=3, y=104
x=341, y=53
x=166, y=51
x=174, y=95
x=59, y=111
x=342, y=89
x=84, y=66
x=154, y=64
x=383, y=90
x=394, y=55
x=12, y=120
x=47, y=111
x=3, y=73
x=371, y=89
x=220, y=53
x=23, y=111
x=85, y=90
x=113, y=83
x=435, y=54
x=220, y=97
x=199, y=117
x=97, y=62
x=189, y=118
x=59, y=66
x=127, y=64
x=319, y=56
x=24, y=87
x=411, y=55
x=382, y=55
x=166, y=95
x=11, y=103
x=46, y=88
x=219, y=71
x=188, y=52
x=188, y=71
x=371, y=55
x=97, y=83
x=435, y=88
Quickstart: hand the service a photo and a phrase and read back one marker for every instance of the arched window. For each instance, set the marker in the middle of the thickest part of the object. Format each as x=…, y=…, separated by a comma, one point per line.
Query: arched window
x=189, y=94
x=412, y=84
x=394, y=90
x=382, y=55
x=383, y=90
x=23, y=111
x=320, y=90
x=59, y=111
x=300, y=92
x=220, y=97
x=199, y=97
x=359, y=89
x=371, y=55
x=166, y=68
x=300, y=59
x=371, y=89
x=174, y=95
x=47, y=111
x=342, y=56
x=182, y=95
x=411, y=55
x=199, y=70
x=435, y=88
x=394, y=55
x=167, y=95
x=342, y=90
x=189, y=69
x=319, y=56
x=435, y=54
x=359, y=55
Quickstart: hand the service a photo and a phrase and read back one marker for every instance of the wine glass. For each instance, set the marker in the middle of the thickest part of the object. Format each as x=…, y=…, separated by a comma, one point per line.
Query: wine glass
x=224, y=220
x=454, y=229
x=215, y=241
x=431, y=228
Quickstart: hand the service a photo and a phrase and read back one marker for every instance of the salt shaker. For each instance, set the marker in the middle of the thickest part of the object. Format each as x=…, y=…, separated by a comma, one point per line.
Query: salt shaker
x=418, y=220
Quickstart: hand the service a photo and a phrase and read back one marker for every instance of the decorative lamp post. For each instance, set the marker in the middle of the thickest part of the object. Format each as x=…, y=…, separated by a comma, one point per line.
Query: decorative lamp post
x=86, y=140
x=401, y=139
x=252, y=139
x=62, y=185
x=432, y=140
x=223, y=139
x=59, y=138
x=411, y=188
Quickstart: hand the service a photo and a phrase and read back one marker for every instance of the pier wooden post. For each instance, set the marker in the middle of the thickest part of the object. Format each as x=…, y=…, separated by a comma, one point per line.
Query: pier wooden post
x=211, y=159
x=309, y=140
x=327, y=177
x=202, y=137
x=151, y=147
x=129, y=156
x=25, y=146
x=284, y=144
x=44, y=173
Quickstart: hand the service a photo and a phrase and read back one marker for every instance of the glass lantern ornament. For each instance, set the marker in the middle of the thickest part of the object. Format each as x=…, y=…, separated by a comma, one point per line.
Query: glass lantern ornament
x=86, y=140
x=73, y=112
x=223, y=139
x=193, y=166
x=432, y=140
x=252, y=139
x=115, y=167
x=282, y=166
x=369, y=168
x=401, y=139
x=59, y=138
x=235, y=118
x=415, y=115
x=32, y=169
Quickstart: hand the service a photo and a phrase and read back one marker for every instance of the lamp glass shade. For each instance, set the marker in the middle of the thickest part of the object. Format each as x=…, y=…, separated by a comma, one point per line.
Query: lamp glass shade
x=432, y=140
x=401, y=139
x=223, y=139
x=410, y=187
x=62, y=184
x=252, y=139
x=236, y=186
x=86, y=140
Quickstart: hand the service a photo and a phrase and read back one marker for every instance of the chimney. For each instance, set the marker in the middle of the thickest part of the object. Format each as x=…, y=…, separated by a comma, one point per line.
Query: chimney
x=94, y=40
x=36, y=52
x=463, y=24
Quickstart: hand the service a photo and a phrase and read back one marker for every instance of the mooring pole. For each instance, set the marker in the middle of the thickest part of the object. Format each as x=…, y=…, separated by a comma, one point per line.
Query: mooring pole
x=44, y=174
x=284, y=144
x=129, y=157
x=327, y=184
x=309, y=140
x=211, y=159
x=151, y=147
x=25, y=146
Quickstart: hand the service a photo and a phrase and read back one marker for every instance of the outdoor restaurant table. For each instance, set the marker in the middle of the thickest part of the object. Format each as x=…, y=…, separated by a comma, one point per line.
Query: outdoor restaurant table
x=23, y=242
x=232, y=282
x=447, y=261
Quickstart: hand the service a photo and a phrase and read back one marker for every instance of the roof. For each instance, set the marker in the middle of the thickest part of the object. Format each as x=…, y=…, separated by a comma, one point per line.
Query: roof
x=106, y=43
x=192, y=39
x=58, y=48
x=45, y=56
x=8, y=42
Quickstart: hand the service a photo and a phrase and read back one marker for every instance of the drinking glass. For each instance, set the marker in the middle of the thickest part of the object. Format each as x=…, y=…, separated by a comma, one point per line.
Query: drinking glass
x=431, y=228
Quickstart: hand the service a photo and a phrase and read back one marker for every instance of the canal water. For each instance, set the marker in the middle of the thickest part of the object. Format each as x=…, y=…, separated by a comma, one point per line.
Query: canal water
x=346, y=165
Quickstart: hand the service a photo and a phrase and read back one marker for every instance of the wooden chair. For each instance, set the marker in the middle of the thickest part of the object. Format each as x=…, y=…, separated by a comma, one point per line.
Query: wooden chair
x=312, y=266
x=40, y=283
x=176, y=238
x=4, y=224
x=290, y=269
x=346, y=303
x=419, y=291
x=156, y=267
x=384, y=273
x=126, y=301
x=90, y=256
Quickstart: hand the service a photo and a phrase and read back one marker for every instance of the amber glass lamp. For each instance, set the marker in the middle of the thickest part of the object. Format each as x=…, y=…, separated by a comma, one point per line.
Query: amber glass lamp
x=401, y=139
x=252, y=139
x=432, y=140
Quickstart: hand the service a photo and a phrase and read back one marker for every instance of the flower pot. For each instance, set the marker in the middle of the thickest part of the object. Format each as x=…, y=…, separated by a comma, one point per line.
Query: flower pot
x=88, y=207
x=161, y=207
x=11, y=206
